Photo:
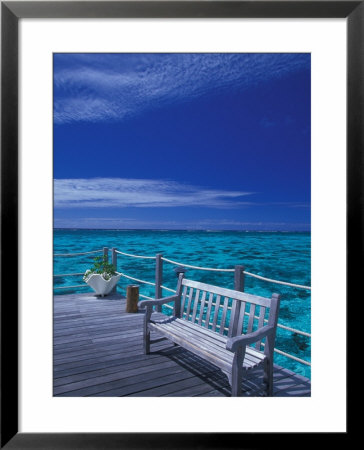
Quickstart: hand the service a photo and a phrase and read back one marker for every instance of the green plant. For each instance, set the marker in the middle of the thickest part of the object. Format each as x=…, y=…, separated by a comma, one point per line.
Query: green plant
x=102, y=267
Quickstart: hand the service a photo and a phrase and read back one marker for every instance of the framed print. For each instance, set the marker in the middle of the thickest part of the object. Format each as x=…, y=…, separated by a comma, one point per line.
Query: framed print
x=246, y=126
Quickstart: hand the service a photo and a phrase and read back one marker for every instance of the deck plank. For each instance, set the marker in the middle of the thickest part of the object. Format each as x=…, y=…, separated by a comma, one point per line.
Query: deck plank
x=98, y=351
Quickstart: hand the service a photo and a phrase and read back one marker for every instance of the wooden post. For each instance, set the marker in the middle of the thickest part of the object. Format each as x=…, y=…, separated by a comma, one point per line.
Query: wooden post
x=132, y=298
x=106, y=252
x=238, y=286
x=114, y=262
x=239, y=278
x=177, y=305
x=158, y=278
x=236, y=372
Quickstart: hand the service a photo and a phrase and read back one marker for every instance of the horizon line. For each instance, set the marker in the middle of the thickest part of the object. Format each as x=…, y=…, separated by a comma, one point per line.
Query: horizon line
x=178, y=229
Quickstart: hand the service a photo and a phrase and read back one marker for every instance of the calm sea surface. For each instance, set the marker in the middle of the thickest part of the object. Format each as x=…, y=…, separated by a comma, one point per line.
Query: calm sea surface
x=275, y=255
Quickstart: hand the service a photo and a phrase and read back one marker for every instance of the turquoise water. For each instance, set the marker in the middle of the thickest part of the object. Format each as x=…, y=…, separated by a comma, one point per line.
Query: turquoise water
x=276, y=255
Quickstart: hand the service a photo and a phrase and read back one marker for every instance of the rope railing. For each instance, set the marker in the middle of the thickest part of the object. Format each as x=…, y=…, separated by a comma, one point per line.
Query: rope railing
x=197, y=267
x=134, y=256
x=77, y=254
x=168, y=289
x=135, y=279
x=295, y=358
x=148, y=298
x=233, y=270
x=292, y=330
x=72, y=287
x=213, y=269
x=68, y=274
x=276, y=281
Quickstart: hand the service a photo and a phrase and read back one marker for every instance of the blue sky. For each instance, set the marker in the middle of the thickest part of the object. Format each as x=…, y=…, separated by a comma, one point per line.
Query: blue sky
x=182, y=141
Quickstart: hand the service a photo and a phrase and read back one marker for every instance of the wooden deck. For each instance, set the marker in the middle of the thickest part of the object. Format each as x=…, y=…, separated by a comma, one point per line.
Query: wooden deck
x=98, y=352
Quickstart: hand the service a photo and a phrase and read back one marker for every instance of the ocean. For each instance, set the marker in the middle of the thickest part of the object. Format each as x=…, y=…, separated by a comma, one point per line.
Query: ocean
x=283, y=256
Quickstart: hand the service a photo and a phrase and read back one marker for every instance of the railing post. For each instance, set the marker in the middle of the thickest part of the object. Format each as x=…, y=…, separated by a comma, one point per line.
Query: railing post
x=106, y=252
x=158, y=278
x=114, y=258
x=235, y=312
x=114, y=262
x=177, y=305
x=239, y=278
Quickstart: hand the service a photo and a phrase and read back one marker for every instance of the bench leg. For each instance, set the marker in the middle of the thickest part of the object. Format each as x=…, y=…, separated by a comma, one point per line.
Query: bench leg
x=268, y=377
x=236, y=374
x=147, y=343
x=146, y=337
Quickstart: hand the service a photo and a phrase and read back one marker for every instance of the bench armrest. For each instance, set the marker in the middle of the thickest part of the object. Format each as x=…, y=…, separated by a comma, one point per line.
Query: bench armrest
x=242, y=341
x=159, y=301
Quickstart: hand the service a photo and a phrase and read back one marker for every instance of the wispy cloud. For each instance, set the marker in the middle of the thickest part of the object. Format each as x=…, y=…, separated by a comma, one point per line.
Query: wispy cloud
x=101, y=87
x=122, y=192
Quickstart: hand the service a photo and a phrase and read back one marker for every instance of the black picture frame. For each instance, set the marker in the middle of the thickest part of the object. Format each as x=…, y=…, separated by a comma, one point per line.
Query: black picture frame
x=11, y=12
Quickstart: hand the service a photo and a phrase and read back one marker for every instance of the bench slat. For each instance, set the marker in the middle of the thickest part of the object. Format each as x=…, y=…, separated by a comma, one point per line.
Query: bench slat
x=190, y=295
x=183, y=300
x=241, y=318
x=233, y=318
x=196, y=338
x=209, y=347
x=212, y=336
x=251, y=318
x=260, y=324
x=216, y=314
x=243, y=296
x=209, y=335
x=202, y=307
x=199, y=347
x=208, y=314
x=223, y=318
x=195, y=305
x=222, y=358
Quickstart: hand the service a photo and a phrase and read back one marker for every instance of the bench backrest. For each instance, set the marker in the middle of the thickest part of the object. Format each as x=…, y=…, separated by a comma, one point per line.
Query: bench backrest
x=225, y=311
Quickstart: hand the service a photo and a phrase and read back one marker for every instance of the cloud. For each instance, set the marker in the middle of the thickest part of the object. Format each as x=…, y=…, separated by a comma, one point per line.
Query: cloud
x=142, y=193
x=103, y=87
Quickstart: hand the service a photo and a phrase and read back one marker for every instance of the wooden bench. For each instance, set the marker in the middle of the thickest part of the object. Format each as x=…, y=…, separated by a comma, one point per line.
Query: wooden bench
x=221, y=326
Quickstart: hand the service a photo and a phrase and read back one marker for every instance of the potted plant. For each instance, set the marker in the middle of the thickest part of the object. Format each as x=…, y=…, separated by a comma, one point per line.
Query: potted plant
x=102, y=276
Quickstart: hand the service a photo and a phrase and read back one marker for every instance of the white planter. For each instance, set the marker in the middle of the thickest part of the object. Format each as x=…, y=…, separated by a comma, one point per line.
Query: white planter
x=100, y=285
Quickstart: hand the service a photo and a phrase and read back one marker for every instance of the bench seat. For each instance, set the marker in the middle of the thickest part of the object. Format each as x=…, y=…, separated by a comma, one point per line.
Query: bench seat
x=203, y=342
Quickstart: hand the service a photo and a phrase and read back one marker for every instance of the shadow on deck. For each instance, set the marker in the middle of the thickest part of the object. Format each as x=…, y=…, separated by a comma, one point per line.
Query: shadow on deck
x=97, y=351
